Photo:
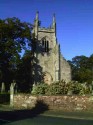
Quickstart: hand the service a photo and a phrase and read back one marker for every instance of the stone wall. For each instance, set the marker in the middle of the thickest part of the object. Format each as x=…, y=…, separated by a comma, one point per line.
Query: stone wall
x=65, y=103
x=65, y=69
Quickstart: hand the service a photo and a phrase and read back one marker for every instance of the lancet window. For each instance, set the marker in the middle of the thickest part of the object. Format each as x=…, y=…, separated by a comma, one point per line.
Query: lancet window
x=45, y=44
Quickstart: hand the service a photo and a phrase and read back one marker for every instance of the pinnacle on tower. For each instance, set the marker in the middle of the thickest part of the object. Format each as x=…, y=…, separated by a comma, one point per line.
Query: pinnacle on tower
x=37, y=15
x=54, y=19
x=54, y=24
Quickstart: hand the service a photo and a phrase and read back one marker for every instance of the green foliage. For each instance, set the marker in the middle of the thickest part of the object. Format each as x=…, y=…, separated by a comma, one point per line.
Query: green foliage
x=74, y=87
x=57, y=88
x=14, y=37
x=23, y=73
x=82, y=68
x=53, y=89
x=62, y=88
x=39, y=88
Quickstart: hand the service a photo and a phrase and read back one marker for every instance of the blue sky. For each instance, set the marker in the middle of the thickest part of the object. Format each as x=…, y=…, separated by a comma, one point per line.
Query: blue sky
x=74, y=20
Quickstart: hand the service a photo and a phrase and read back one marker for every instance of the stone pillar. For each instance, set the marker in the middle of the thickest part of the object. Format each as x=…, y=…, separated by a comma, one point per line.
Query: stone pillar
x=12, y=93
x=3, y=87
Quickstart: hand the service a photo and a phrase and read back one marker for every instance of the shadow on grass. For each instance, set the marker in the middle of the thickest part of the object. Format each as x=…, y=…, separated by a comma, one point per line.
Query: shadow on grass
x=16, y=115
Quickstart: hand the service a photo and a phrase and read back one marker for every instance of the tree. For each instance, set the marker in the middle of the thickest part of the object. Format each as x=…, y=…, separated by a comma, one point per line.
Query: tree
x=82, y=68
x=23, y=72
x=14, y=37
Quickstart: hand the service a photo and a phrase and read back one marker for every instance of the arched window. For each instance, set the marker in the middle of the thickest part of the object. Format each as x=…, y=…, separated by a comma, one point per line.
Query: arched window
x=45, y=45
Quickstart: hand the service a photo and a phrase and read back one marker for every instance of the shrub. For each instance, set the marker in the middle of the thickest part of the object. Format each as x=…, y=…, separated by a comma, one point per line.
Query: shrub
x=53, y=89
x=76, y=88
x=61, y=88
x=57, y=88
x=40, y=88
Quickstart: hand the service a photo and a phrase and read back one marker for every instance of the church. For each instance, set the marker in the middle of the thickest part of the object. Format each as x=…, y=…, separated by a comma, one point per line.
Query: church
x=49, y=64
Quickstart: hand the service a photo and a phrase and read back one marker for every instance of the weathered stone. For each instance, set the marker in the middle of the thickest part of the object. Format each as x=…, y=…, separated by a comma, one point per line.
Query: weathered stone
x=3, y=87
x=24, y=105
x=91, y=99
x=66, y=103
x=12, y=93
x=78, y=108
x=50, y=66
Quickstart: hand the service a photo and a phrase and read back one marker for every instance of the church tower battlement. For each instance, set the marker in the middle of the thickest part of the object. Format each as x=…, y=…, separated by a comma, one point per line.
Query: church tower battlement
x=51, y=66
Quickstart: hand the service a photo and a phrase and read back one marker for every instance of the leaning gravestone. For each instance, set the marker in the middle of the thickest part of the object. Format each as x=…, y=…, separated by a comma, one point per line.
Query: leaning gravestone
x=12, y=93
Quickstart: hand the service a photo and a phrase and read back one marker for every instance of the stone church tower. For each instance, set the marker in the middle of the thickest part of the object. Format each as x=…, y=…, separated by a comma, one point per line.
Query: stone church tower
x=50, y=66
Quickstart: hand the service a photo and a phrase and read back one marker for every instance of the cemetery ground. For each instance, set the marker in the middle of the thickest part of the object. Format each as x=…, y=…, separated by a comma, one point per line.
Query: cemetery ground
x=10, y=116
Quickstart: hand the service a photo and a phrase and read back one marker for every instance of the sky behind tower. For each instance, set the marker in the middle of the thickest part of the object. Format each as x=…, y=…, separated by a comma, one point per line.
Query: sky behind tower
x=74, y=20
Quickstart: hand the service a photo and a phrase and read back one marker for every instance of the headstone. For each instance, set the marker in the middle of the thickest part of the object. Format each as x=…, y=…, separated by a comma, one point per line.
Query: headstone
x=12, y=93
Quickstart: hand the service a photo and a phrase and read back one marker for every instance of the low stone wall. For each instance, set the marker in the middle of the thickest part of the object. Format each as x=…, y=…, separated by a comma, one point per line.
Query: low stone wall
x=66, y=103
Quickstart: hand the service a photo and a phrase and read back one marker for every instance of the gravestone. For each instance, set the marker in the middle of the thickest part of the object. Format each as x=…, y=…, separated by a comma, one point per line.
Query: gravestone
x=12, y=93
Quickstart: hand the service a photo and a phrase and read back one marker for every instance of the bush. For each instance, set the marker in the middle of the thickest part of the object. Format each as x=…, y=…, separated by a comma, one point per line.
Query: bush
x=73, y=87
x=57, y=88
x=53, y=89
x=40, y=88
x=61, y=88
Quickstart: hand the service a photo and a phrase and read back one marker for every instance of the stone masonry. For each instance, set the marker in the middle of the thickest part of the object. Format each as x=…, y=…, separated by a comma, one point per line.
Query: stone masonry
x=65, y=103
x=50, y=65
